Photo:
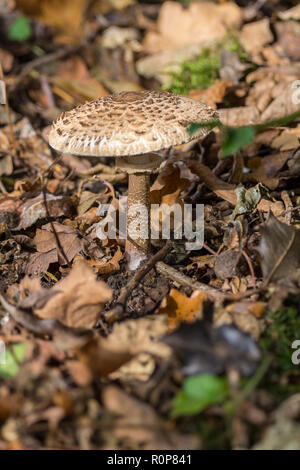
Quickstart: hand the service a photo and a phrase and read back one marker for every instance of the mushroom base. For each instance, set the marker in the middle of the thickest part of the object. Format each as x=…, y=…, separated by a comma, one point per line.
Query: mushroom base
x=138, y=219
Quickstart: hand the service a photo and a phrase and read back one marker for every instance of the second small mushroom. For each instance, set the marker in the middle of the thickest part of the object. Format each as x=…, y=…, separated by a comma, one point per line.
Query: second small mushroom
x=131, y=126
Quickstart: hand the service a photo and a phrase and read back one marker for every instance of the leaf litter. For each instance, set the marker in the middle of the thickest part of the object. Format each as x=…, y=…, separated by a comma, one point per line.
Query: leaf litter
x=167, y=358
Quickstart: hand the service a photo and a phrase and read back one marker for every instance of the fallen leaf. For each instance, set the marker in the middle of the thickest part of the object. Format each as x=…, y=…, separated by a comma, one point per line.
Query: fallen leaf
x=181, y=308
x=289, y=139
x=139, y=426
x=282, y=106
x=227, y=191
x=264, y=170
x=161, y=64
x=34, y=209
x=290, y=14
x=69, y=240
x=255, y=35
x=280, y=251
x=67, y=21
x=258, y=309
x=288, y=39
x=102, y=357
x=173, y=178
x=229, y=264
x=212, y=95
x=107, y=266
x=199, y=22
x=240, y=116
x=232, y=68
x=221, y=188
x=74, y=78
x=80, y=300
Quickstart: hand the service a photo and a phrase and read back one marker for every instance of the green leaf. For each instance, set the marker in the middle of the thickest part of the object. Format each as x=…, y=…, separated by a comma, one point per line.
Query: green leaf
x=198, y=393
x=20, y=30
x=235, y=139
x=13, y=357
x=195, y=126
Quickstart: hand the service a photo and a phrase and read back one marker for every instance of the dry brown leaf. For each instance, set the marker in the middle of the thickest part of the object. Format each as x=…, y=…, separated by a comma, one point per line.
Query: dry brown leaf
x=139, y=426
x=200, y=22
x=48, y=250
x=288, y=139
x=222, y=189
x=107, y=267
x=264, y=170
x=166, y=190
x=212, y=95
x=67, y=21
x=34, y=209
x=288, y=39
x=142, y=338
x=227, y=192
x=239, y=116
x=80, y=372
x=38, y=263
x=102, y=356
x=69, y=240
x=256, y=35
x=80, y=300
x=181, y=308
x=283, y=105
x=291, y=14
x=6, y=165
x=172, y=179
x=74, y=78
x=258, y=309
x=280, y=251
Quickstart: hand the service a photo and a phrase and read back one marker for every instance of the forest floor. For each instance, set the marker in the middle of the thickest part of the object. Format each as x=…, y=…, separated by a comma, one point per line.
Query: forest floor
x=197, y=349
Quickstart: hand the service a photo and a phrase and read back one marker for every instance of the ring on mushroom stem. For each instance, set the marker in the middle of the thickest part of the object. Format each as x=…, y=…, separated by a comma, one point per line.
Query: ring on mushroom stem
x=131, y=126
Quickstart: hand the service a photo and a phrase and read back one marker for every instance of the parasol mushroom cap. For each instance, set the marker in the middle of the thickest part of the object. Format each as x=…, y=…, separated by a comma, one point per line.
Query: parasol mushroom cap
x=129, y=123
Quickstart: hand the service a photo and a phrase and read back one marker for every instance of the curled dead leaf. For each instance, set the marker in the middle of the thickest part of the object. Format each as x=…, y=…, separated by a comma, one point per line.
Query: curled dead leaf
x=80, y=300
x=181, y=308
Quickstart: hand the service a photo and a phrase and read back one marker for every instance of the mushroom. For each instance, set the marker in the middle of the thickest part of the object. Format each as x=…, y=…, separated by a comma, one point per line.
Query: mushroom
x=131, y=126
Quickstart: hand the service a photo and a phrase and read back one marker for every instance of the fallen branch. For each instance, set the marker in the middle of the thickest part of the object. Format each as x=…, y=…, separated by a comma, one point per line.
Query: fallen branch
x=45, y=59
x=120, y=308
x=186, y=281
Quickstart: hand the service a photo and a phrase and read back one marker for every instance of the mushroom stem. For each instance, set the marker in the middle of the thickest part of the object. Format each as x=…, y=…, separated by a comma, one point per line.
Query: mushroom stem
x=138, y=219
x=139, y=169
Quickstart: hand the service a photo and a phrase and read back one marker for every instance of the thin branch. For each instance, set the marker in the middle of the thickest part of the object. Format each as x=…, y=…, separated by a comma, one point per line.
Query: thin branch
x=186, y=281
x=120, y=308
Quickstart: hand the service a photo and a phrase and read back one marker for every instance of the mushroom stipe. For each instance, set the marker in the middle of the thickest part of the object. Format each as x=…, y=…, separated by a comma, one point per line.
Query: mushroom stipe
x=131, y=126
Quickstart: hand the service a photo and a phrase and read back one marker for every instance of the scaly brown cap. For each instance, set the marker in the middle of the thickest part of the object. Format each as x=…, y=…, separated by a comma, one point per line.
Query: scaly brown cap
x=129, y=123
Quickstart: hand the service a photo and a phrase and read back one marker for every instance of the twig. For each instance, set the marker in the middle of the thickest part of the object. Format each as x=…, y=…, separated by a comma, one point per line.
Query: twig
x=59, y=246
x=45, y=59
x=210, y=250
x=250, y=265
x=184, y=280
x=243, y=295
x=288, y=206
x=117, y=313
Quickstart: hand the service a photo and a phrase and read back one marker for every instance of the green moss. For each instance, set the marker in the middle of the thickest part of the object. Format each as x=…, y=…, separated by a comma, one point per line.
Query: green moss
x=202, y=72
x=283, y=329
x=199, y=73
